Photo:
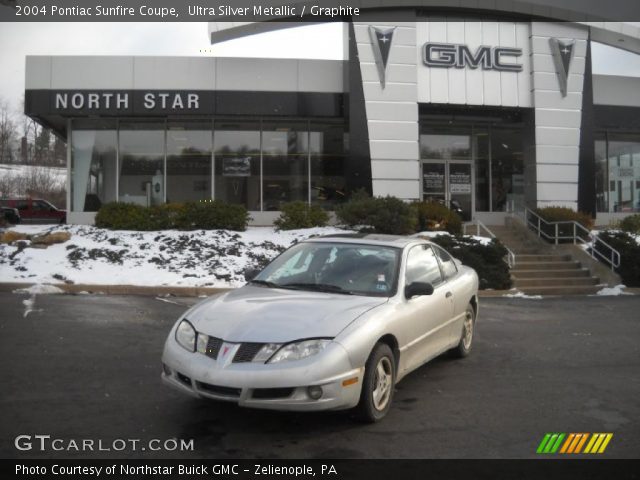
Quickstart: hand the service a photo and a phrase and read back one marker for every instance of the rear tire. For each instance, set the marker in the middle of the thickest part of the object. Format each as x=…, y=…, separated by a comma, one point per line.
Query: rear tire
x=378, y=385
x=468, y=331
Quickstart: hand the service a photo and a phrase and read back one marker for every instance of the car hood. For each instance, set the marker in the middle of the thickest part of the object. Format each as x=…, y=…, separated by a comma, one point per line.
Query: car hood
x=273, y=315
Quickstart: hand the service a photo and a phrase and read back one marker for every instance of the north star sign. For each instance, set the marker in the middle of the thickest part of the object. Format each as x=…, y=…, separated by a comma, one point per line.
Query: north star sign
x=120, y=100
x=450, y=55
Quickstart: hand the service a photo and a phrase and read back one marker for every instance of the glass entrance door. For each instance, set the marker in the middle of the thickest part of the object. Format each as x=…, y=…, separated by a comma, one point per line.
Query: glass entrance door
x=449, y=182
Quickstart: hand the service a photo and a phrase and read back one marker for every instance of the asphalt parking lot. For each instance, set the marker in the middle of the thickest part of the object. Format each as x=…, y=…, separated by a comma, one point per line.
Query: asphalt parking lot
x=88, y=367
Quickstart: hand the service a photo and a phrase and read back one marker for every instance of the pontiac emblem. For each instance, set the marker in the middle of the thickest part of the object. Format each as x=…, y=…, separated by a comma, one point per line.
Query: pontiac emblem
x=562, y=51
x=381, y=42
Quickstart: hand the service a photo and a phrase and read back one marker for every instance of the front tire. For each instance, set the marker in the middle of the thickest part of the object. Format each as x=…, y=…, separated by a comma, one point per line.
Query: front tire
x=468, y=330
x=378, y=384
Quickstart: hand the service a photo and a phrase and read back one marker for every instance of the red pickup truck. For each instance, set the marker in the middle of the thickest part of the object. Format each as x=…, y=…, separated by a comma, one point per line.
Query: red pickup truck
x=35, y=210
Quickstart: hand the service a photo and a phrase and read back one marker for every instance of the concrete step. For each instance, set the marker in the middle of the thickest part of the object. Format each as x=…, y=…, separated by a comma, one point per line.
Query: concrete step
x=521, y=283
x=527, y=251
x=541, y=258
x=554, y=290
x=549, y=266
x=569, y=273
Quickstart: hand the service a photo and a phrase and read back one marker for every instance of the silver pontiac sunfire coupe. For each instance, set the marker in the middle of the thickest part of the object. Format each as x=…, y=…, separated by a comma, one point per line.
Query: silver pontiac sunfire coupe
x=332, y=323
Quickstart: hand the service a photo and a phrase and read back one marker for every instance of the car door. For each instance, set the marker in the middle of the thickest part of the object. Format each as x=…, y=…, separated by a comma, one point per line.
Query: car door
x=453, y=281
x=43, y=212
x=424, y=318
x=24, y=210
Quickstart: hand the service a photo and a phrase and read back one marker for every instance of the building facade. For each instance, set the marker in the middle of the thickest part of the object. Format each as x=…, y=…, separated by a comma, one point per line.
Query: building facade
x=483, y=112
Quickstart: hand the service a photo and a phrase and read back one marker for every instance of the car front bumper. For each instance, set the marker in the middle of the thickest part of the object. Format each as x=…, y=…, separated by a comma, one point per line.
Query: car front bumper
x=282, y=386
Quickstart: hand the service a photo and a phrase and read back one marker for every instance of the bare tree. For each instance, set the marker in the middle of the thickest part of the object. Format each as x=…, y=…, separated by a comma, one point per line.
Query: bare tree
x=8, y=132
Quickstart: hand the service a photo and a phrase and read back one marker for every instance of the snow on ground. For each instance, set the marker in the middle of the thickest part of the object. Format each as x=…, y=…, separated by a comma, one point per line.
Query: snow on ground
x=40, y=289
x=202, y=258
x=613, y=291
x=522, y=295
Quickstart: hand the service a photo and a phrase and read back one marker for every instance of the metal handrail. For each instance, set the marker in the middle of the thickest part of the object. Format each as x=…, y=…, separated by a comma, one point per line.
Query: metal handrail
x=613, y=259
x=510, y=257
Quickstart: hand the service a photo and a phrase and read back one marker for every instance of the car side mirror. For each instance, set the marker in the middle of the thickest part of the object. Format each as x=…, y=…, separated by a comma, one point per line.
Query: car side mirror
x=250, y=274
x=418, y=288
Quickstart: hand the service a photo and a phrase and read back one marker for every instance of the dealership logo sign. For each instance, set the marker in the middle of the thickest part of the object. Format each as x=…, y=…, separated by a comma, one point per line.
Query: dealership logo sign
x=562, y=51
x=381, y=39
x=120, y=100
x=574, y=443
x=449, y=55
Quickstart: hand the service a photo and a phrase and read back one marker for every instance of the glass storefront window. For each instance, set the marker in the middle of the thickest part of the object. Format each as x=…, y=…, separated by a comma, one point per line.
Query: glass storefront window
x=602, y=186
x=507, y=173
x=237, y=163
x=93, y=164
x=142, y=163
x=479, y=164
x=285, y=163
x=445, y=143
x=328, y=145
x=481, y=139
x=256, y=163
x=188, y=161
x=618, y=172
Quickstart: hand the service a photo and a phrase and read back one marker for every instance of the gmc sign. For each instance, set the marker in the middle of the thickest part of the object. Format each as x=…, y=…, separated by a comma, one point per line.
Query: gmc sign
x=447, y=55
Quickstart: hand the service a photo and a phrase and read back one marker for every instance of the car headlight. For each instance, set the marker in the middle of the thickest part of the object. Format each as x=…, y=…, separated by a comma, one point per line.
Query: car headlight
x=266, y=351
x=299, y=350
x=186, y=335
x=201, y=342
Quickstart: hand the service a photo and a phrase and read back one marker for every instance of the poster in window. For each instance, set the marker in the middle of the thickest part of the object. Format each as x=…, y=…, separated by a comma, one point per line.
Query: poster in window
x=433, y=178
x=236, y=167
x=459, y=182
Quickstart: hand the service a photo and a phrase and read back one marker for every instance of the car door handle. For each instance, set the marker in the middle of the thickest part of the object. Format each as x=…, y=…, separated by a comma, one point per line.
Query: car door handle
x=448, y=294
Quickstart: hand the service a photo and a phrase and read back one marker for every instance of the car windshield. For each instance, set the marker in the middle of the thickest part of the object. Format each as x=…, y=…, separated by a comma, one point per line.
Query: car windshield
x=347, y=268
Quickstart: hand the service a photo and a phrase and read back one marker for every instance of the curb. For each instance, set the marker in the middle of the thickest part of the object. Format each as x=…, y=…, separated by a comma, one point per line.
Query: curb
x=123, y=289
x=160, y=290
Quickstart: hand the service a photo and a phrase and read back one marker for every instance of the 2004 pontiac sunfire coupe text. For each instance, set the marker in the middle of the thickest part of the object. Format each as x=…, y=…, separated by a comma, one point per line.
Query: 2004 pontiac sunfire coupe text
x=332, y=323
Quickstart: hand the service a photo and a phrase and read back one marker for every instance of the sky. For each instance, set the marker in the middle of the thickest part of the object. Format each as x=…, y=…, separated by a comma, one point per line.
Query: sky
x=191, y=39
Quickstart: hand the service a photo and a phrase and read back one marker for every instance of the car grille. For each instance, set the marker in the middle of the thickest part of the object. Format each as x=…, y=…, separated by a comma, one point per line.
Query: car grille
x=213, y=347
x=271, y=393
x=183, y=378
x=218, y=390
x=246, y=352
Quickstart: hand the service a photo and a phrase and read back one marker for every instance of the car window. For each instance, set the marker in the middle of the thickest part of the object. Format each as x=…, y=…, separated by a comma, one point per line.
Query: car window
x=41, y=206
x=22, y=205
x=447, y=263
x=422, y=266
x=355, y=268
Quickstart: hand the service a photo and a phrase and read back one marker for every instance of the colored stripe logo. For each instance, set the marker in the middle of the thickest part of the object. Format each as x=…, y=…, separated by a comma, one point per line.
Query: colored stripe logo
x=573, y=443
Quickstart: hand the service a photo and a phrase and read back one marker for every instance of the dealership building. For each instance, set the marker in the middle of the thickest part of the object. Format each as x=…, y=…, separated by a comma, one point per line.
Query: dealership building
x=489, y=109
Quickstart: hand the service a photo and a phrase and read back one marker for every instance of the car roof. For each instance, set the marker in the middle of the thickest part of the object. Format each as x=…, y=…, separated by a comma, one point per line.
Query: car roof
x=397, y=241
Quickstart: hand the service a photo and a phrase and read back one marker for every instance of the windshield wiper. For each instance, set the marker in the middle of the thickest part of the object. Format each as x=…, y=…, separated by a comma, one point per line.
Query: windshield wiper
x=266, y=283
x=319, y=287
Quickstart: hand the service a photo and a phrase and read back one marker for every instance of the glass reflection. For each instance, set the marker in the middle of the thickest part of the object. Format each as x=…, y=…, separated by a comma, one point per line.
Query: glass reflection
x=188, y=161
x=285, y=154
x=93, y=164
x=142, y=163
x=237, y=163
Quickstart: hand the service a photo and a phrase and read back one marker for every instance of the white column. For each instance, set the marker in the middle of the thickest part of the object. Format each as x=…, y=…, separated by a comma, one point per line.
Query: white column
x=557, y=118
x=392, y=112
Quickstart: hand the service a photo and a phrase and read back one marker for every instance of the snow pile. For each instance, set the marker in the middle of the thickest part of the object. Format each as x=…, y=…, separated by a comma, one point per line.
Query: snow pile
x=200, y=258
x=522, y=295
x=613, y=291
x=40, y=289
